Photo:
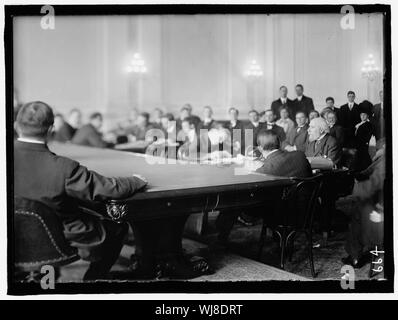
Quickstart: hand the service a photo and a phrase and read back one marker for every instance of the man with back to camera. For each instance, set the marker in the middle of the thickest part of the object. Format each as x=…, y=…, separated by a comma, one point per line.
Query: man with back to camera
x=60, y=183
x=273, y=161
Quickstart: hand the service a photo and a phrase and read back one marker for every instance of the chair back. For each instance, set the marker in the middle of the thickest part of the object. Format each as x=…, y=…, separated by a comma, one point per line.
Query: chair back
x=348, y=158
x=38, y=237
x=302, y=201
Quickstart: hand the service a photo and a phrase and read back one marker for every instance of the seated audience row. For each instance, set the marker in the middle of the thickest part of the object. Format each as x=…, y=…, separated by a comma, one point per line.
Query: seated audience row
x=352, y=125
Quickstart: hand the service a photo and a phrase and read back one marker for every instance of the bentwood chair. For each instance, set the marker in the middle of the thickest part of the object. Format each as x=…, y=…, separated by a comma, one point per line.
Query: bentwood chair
x=38, y=240
x=298, y=208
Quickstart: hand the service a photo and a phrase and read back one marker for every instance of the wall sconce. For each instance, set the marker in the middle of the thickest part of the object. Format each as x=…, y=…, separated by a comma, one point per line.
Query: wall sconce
x=254, y=70
x=137, y=65
x=369, y=69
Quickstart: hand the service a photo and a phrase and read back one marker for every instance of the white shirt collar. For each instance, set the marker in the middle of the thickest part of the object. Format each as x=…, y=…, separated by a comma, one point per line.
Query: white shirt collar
x=321, y=137
x=30, y=140
x=299, y=98
x=283, y=100
x=270, y=153
x=255, y=124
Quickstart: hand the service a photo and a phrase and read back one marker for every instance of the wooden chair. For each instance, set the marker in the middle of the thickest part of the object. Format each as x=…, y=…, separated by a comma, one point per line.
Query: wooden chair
x=301, y=202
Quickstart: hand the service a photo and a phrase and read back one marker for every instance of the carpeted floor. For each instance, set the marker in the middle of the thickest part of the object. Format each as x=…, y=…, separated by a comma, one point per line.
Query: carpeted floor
x=239, y=260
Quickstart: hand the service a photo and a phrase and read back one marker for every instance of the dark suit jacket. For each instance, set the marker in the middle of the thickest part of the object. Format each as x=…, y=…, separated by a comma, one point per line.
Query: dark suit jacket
x=337, y=132
x=348, y=120
x=89, y=136
x=207, y=126
x=278, y=131
x=277, y=105
x=60, y=183
x=306, y=105
x=65, y=133
x=298, y=139
x=378, y=122
x=326, y=147
x=286, y=164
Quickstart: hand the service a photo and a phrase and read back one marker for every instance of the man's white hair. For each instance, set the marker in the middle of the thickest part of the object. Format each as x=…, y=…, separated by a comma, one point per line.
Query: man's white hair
x=321, y=124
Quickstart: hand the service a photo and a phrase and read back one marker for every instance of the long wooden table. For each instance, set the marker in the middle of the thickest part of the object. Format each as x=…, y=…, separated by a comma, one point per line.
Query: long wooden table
x=175, y=188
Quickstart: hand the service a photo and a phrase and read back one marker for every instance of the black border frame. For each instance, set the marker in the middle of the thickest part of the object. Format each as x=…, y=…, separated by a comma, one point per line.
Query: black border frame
x=326, y=286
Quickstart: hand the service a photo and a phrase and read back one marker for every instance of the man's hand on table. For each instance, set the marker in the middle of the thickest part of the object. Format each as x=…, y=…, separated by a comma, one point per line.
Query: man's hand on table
x=141, y=177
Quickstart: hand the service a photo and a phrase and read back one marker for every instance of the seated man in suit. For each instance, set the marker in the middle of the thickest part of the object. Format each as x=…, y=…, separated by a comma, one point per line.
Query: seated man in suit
x=90, y=135
x=270, y=124
x=349, y=117
x=321, y=143
x=335, y=130
x=297, y=138
x=184, y=113
x=302, y=103
x=69, y=127
x=168, y=126
x=58, y=123
x=190, y=140
x=283, y=101
x=236, y=130
x=138, y=132
x=60, y=183
x=252, y=129
x=208, y=122
x=157, y=117
x=273, y=161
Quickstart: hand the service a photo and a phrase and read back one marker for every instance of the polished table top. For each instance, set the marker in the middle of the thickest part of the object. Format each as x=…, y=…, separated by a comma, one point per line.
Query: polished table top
x=180, y=177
